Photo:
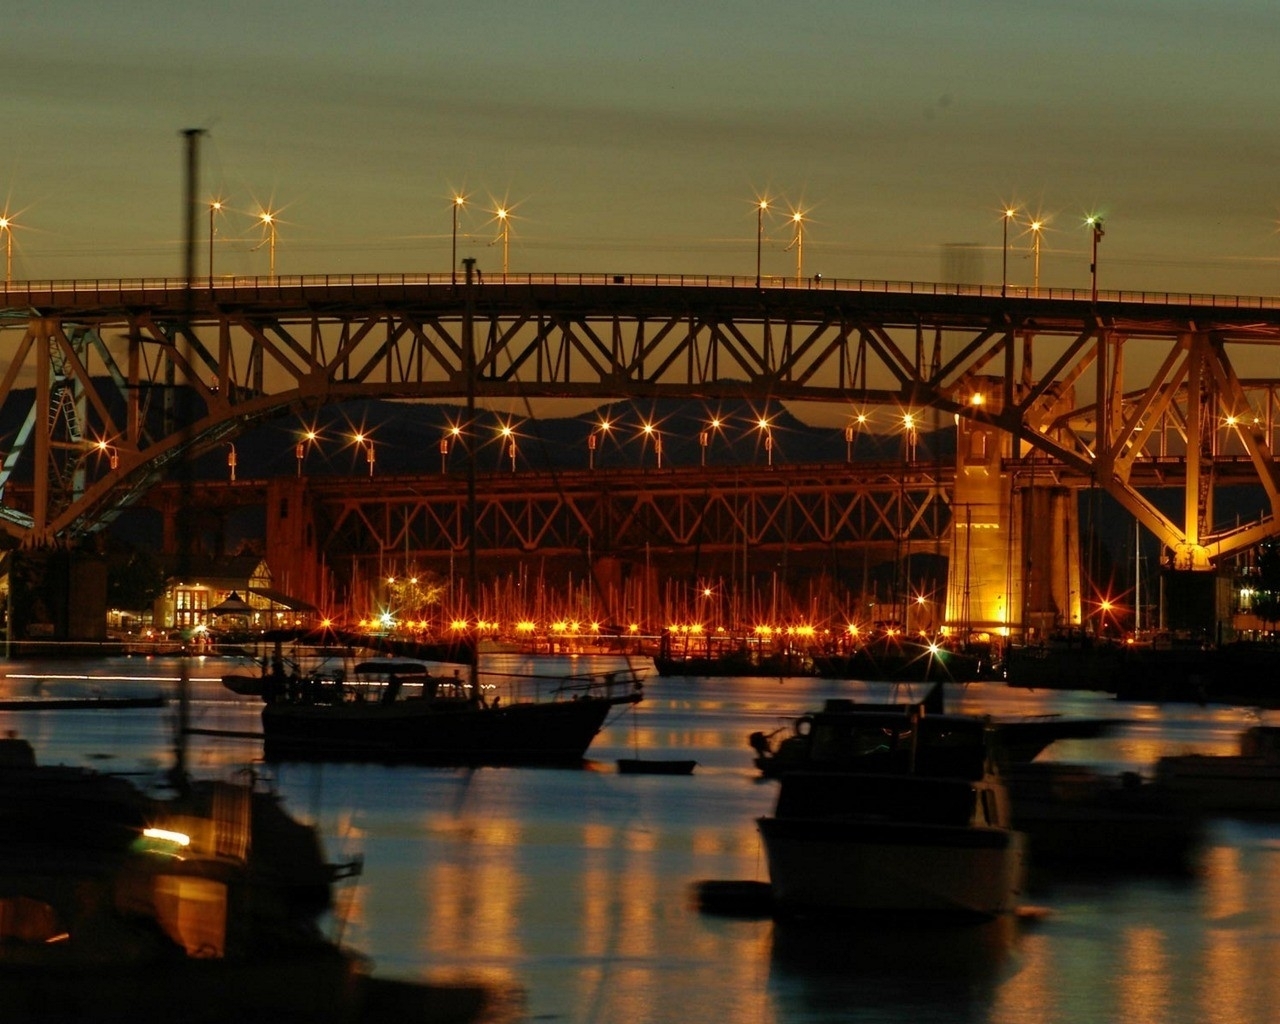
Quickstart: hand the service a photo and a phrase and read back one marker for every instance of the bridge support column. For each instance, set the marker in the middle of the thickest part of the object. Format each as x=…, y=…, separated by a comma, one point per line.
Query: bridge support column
x=291, y=550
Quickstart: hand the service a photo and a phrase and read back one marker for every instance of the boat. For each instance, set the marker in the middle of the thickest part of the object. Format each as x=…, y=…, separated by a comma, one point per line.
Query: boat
x=891, y=658
x=395, y=711
x=1245, y=784
x=1079, y=818
x=203, y=899
x=917, y=824
x=824, y=740
x=716, y=656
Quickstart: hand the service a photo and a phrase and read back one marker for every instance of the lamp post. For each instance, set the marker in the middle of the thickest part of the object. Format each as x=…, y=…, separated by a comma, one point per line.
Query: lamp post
x=1009, y=214
x=301, y=448
x=6, y=225
x=1095, y=225
x=909, y=427
x=797, y=218
x=367, y=444
x=268, y=220
x=509, y=444
x=109, y=450
x=650, y=431
x=459, y=201
x=503, y=216
x=761, y=206
x=231, y=460
x=602, y=430
x=1036, y=227
x=215, y=207
x=763, y=426
x=454, y=435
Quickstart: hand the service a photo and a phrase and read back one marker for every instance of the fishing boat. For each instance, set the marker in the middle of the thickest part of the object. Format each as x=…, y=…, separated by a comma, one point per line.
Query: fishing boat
x=202, y=900
x=891, y=658
x=919, y=823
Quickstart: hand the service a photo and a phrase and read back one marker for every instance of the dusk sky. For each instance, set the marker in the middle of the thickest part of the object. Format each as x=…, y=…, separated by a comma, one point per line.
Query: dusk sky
x=636, y=137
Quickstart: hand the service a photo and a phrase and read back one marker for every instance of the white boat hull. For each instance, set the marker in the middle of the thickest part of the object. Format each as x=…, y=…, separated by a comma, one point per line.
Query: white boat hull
x=820, y=866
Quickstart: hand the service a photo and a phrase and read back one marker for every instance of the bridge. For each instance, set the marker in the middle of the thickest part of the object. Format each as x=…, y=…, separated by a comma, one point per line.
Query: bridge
x=117, y=384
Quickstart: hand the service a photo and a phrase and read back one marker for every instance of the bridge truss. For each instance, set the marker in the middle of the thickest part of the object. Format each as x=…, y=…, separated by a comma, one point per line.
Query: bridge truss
x=111, y=387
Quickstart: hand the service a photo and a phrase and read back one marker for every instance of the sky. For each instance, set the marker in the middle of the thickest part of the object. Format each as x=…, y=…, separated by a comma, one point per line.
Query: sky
x=638, y=138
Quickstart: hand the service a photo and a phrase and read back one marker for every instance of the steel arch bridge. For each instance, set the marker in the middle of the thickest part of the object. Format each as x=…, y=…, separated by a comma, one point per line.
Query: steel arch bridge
x=111, y=386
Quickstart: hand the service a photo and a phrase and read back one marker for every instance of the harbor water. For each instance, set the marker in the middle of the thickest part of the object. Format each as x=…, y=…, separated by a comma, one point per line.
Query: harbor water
x=570, y=893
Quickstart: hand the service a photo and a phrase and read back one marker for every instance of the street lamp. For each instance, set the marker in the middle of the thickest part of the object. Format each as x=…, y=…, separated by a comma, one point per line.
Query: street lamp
x=301, y=448
x=1036, y=227
x=459, y=201
x=704, y=438
x=603, y=431
x=503, y=215
x=761, y=206
x=509, y=443
x=455, y=433
x=231, y=460
x=1009, y=214
x=6, y=225
x=215, y=207
x=366, y=443
x=1095, y=224
x=650, y=431
x=762, y=425
x=109, y=450
x=797, y=218
x=909, y=426
x=268, y=220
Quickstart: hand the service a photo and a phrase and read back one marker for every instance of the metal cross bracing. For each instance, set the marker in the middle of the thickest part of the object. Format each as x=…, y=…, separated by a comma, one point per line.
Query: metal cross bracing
x=715, y=511
x=1103, y=389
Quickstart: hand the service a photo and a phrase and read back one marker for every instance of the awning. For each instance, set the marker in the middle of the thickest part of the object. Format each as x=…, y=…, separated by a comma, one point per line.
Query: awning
x=233, y=605
x=293, y=604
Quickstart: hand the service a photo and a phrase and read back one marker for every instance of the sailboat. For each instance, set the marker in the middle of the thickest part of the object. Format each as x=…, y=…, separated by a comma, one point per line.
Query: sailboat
x=413, y=716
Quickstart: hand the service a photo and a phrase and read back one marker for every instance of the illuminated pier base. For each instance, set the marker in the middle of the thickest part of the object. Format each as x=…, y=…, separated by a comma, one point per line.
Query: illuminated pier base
x=1015, y=554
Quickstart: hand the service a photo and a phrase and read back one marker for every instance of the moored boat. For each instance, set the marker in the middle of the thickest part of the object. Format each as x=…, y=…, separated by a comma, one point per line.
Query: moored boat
x=385, y=712
x=918, y=823
x=1245, y=784
x=203, y=901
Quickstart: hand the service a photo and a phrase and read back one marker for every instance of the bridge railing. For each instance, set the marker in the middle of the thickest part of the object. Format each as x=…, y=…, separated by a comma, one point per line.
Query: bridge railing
x=23, y=295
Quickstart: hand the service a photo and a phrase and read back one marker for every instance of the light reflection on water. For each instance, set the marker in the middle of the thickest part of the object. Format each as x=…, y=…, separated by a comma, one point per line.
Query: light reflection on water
x=575, y=885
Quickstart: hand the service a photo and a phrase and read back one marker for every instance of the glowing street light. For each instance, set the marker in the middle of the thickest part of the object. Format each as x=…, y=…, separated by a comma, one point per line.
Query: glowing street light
x=797, y=218
x=455, y=435
x=1036, y=227
x=503, y=216
x=109, y=450
x=459, y=201
x=704, y=437
x=1094, y=223
x=1009, y=214
x=231, y=460
x=366, y=442
x=762, y=424
x=215, y=208
x=650, y=431
x=268, y=221
x=603, y=431
x=6, y=225
x=303, y=446
x=761, y=206
x=509, y=443
x=912, y=436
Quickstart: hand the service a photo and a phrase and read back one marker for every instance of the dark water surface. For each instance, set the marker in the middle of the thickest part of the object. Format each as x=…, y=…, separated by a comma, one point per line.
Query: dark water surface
x=574, y=887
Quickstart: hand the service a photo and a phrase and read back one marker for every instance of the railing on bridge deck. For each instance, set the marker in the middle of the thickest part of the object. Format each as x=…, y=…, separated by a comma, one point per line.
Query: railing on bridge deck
x=19, y=296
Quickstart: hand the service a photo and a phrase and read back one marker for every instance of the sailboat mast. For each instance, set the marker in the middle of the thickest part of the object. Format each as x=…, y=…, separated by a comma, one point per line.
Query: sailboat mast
x=469, y=368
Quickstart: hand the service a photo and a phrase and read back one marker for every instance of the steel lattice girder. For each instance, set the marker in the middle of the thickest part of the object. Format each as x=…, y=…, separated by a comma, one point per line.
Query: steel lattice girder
x=158, y=373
